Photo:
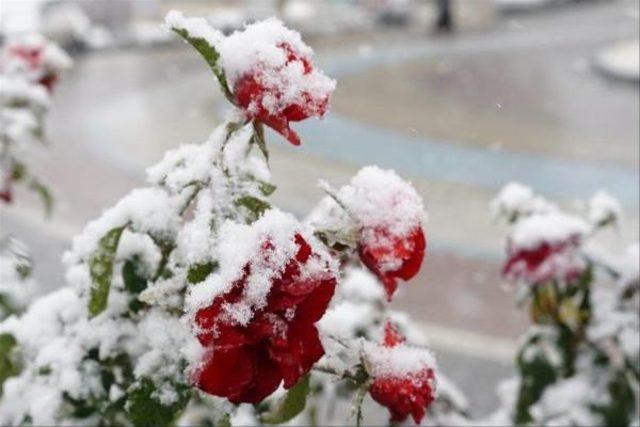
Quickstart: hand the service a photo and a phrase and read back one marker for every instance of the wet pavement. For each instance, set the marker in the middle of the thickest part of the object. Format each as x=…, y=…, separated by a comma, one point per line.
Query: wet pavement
x=458, y=116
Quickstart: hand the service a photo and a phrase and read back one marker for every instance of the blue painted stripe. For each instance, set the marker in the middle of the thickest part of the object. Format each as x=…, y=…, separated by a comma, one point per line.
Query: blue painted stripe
x=339, y=138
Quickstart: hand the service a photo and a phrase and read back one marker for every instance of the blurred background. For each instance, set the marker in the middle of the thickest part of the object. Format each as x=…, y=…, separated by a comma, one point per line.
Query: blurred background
x=459, y=96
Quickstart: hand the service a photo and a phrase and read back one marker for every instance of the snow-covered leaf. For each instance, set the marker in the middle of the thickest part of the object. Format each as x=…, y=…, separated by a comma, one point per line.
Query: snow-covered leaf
x=101, y=268
x=255, y=206
x=145, y=408
x=210, y=55
x=198, y=272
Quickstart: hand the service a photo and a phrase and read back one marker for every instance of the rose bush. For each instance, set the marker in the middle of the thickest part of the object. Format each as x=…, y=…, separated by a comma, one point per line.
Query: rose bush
x=578, y=364
x=195, y=295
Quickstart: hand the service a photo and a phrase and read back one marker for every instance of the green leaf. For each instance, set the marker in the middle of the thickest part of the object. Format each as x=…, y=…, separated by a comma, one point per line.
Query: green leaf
x=290, y=405
x=255, y=206
x=146, y=410
x=224, y=421
x=101, y=269
x=9, y=366
x=210, y=55
x=6, y=308
x=266, y=188
x=258, y=139
x=537, y=373
x=18, y=171
x=44, y=193
x=198, y=272
x=621, y=405
x=134, y=281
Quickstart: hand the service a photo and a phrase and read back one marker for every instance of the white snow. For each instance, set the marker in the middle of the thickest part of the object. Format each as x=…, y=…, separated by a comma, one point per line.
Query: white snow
x=147, y=210
x=515, y=199
x=56, y=333
x=551, y=228
x=258, y=50
x=15, y=290
x=257, y=45
x=195, y=27
x=17, y=91
x=240, y=245
x=402, y=360
x=375, y=199
x=603, y=208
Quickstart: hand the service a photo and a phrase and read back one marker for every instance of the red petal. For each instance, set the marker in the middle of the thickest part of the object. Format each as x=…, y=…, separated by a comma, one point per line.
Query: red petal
x=225, y=372
x=391, y=335
x=300, y=351
x=304, y=249
x=315, y=305
x=266, y=379
x=411, y=266
x=281, y=125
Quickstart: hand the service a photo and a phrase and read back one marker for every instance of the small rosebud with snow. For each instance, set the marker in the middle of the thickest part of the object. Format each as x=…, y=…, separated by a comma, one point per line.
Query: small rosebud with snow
x=256, y=316
x=403, y=376
x=545, y=247
x=41, y=61
x=387, y=213
x=265, y=70
x=272, y=78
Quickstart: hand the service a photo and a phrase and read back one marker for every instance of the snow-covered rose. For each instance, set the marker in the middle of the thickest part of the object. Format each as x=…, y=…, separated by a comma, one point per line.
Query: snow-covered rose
x=403, y=376
x=258, y=322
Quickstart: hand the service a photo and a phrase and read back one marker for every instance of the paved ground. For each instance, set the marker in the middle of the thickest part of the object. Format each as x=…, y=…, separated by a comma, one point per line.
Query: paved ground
x=458, y=116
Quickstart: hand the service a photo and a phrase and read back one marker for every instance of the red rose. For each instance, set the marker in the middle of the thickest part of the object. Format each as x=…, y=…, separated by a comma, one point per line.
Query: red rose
x=381, y=214
x=246, y=363
x=265, y=98
x=544, y=262
x=392, y=257
x=32, y=56
x=409, y=390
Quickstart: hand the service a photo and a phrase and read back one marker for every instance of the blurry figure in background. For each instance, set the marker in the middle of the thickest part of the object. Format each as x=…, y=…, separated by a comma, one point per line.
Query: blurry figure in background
x=444, y=20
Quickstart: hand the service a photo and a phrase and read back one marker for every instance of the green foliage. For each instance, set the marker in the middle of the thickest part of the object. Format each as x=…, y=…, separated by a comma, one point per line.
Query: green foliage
x=266, y=188
x=19, y=173
x=255, y=207
x=43, y=192
x=536, y=373
x=258, y=139
x=290, y=405
x=9, y=366
x=211, y=56
x=622, y=402
x=134, y=280
x=116, y=370
x=101, y=269
x=144, y=408
x=224, y=421
x=198, y=272
x=6, y=308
